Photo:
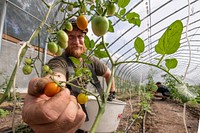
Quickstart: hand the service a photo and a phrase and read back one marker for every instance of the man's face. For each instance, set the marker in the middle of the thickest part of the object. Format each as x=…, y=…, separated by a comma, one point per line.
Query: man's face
x=158, y=85
x=76, y=44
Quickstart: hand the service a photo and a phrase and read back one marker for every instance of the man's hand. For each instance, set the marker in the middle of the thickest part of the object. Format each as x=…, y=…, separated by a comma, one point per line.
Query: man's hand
x=58, y=114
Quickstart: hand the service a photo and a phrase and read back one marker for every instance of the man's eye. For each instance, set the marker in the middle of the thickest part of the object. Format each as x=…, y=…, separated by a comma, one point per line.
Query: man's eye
x=71, y=37
x=81, y=36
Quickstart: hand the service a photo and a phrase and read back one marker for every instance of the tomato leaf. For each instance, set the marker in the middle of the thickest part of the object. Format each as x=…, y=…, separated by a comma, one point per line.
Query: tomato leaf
x=123, y=11
x=171, y=63
x=78, y=72
x=139, y=45
x=133, y=18
x=100, y=54
x=89, y=43
x=111, y=28
x=170, y=40
x=123, y=3
x=75, y=60
x=100, y=45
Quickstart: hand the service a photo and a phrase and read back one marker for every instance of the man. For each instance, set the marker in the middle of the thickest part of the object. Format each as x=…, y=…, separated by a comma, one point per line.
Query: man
x=162, y=91
x=60, y=113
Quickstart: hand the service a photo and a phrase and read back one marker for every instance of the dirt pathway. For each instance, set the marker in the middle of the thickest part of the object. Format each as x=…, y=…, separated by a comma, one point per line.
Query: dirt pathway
x=167, y=117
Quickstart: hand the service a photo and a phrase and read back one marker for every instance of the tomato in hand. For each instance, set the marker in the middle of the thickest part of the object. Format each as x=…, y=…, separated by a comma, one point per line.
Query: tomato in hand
x=82, y=98
x=51, y=89
x=82, y=22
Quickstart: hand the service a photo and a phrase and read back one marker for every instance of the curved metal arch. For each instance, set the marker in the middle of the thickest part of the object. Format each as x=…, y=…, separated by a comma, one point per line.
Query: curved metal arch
x=152, y=26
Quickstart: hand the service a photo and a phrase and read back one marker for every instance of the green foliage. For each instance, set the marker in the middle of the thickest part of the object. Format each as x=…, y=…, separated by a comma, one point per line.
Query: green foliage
x=150, y=86
x=133, y=18
x=4, y=113
x=170, y=40
x=111, y=28
x=145, y=101
x=171, y=63
x=123, y=3
x=139, y=45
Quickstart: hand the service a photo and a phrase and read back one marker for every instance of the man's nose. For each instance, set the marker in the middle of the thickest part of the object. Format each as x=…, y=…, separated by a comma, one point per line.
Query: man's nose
x=76, y=40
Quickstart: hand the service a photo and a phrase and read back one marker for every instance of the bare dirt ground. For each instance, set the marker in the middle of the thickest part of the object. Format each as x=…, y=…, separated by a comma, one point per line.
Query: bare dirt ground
x=165, y=117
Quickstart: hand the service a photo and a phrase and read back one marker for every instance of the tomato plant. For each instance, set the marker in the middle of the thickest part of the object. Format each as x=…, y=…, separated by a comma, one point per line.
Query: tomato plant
x=82, y=98
x=51, y=89
x=82, y=22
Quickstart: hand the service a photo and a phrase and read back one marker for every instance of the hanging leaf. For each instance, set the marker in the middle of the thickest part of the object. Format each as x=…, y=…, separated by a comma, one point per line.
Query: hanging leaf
x=123, y=11
x=100, y=54
x=78, y=72
x=75, y=60
x=170, y=40
x=89, y=43
x=171, y=63
x=139, y=45
x=133, y=18
x=123, y=3
x=111, y=28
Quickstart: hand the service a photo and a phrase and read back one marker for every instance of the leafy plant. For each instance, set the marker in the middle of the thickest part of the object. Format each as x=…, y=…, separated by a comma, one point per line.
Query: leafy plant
x=168, y=44
x=4, y=113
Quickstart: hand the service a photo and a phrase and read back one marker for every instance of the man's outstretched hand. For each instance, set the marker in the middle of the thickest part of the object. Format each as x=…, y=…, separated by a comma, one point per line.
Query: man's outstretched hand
x=58, y=114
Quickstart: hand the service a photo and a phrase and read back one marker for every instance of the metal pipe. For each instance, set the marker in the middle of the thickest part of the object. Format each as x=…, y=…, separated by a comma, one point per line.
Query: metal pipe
x=2, y=20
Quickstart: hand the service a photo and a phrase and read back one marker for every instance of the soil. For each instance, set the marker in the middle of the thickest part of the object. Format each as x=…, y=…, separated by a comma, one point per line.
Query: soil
x=164, y=117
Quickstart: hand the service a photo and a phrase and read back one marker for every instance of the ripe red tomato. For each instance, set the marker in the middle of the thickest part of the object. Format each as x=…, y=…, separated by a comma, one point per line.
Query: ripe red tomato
x=51, y=89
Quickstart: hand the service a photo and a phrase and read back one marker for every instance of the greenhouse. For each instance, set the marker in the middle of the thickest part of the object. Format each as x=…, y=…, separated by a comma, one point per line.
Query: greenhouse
x=130, y=65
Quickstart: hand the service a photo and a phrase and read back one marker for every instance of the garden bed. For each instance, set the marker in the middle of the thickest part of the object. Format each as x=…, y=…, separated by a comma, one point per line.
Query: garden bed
x=165, y=117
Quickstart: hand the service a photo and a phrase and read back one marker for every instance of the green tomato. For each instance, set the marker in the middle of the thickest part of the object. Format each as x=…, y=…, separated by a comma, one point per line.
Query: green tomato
x=28, y=61
x=68, y=26
x=100, y=25
x=45, y=68
x=59, y=51
x=52, y=47
x=62, y=38
x=111, y=9
x=27, y=69
x=70, y=7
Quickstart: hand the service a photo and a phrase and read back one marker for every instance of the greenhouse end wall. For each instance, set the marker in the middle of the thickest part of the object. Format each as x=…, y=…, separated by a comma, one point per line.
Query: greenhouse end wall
x=8, y=58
